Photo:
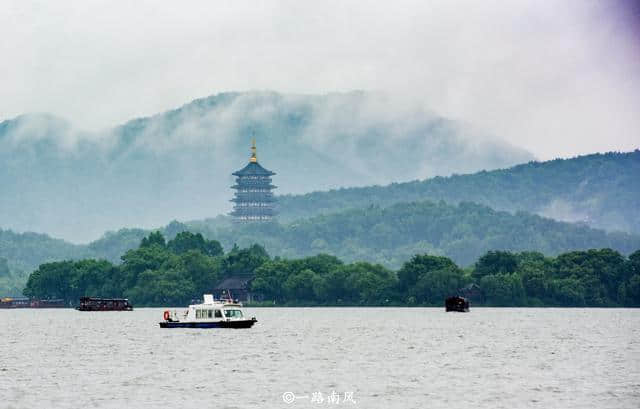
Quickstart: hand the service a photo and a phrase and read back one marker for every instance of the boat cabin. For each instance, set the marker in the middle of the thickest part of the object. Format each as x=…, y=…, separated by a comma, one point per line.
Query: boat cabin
x=211, y=309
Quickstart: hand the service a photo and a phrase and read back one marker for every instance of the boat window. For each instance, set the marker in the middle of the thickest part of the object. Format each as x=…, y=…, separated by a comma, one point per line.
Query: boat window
x=197, y=313
x=233, y=313
x=210, y=313
x=218, y=314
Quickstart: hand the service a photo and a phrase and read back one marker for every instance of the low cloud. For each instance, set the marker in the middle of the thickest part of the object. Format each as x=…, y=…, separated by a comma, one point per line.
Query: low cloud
x=557, y=78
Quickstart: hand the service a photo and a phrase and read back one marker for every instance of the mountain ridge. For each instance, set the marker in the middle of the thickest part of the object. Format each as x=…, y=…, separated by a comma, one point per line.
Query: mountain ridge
x=601, y=190
x=177, y=164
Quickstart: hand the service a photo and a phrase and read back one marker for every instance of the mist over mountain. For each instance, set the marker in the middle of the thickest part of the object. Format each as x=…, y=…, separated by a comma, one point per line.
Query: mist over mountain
x=177, y=165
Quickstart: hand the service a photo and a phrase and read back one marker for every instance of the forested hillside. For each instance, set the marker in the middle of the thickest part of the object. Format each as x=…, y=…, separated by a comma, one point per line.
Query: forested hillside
x=22, y=253
x=25, y=251
x=601, y=190
x=391, y=235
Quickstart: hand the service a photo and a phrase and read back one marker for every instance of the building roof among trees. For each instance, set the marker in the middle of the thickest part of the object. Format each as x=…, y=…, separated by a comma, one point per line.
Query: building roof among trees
x=234, y=283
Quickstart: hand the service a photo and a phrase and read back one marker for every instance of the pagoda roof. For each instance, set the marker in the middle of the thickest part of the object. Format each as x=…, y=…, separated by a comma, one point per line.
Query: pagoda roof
x=253, y=169
x=256, y=186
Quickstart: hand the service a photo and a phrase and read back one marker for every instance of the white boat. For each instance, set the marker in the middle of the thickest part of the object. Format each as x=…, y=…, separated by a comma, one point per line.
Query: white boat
x=210, y=314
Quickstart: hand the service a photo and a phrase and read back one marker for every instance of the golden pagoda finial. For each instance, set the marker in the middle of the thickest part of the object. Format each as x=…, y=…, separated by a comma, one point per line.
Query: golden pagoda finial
x=254, y=157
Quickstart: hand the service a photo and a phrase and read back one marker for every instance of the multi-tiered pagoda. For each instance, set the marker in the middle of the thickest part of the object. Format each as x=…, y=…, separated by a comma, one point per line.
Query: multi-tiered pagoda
x=253, y=199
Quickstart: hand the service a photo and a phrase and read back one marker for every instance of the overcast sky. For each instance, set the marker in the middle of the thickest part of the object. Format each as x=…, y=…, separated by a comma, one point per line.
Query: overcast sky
x=558, y=78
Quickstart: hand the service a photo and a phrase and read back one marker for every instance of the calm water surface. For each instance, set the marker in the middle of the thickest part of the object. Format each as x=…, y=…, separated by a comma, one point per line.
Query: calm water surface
x=387, y=358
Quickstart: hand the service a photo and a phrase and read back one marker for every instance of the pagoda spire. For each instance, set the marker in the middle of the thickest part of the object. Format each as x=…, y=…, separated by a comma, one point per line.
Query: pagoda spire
x=254, y=156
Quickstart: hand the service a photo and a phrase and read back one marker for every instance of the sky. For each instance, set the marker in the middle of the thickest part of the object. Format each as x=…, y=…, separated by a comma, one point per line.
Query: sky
x=558, y=78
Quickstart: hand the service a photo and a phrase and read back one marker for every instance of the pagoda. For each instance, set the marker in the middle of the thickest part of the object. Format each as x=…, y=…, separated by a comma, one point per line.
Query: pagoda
x=253, y=199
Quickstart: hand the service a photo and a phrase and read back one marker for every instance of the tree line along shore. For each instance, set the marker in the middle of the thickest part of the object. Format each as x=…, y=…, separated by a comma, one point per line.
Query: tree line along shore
x=172, y=273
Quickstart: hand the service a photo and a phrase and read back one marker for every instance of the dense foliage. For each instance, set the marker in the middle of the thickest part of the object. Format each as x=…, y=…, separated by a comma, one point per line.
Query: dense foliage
x=155, y=273
x=601, y=190
x=175, y=272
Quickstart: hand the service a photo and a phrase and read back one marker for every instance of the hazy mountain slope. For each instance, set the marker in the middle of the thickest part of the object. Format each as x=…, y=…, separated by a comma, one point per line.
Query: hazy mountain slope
x=601, y=190
x=25, y=251
x=178, y=164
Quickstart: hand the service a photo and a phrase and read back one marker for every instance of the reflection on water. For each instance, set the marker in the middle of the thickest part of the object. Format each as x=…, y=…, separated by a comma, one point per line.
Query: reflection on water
x=380, y=358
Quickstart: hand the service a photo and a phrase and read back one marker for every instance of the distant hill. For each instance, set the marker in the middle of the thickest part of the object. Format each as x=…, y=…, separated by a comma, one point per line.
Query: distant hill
x=600, y=190
x=392, y=235
x=178, y=164
x=25, y=251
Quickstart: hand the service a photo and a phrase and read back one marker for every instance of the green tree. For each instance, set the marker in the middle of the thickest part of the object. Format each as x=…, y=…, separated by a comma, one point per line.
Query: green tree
x=162, y=287
x=632, y=292
x=51, y=281
x=534, y=281
x=631, y=289
x=369, y=283
x=600, y=271
x=333, y=287
x=495, y=262
x=568, y=292
x=203, y=271
x=269, y=278
x=503, y=289
x=418, y=266
x=88, y=278
x=185, y=241
x=435, y=286
x=134, y=262
x=299, y=286
x=244, y=261
x=154, y=239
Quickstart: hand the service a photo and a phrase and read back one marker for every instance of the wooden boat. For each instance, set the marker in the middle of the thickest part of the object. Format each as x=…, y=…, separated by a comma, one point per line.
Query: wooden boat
x=104, y=304
x=456, y=304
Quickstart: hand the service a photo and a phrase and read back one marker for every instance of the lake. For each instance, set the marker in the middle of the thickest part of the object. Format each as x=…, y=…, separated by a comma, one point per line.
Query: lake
x=318, y=357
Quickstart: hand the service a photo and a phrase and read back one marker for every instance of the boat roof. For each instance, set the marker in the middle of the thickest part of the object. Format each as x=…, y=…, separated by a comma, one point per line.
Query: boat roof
x=209, y=301
x=102, y=299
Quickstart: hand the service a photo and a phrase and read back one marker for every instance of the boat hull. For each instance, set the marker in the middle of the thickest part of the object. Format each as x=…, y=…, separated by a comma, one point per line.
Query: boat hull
x=216, y=324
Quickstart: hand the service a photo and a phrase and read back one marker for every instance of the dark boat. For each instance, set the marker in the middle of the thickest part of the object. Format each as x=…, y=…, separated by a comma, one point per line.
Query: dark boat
x=456, y=304
x=104, y=304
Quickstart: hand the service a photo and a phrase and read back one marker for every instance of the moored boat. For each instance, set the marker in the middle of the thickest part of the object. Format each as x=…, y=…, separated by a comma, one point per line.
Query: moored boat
x=210, y=314
x=104, y=304
x=456, y=304
x=21, y=302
